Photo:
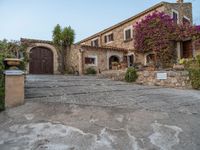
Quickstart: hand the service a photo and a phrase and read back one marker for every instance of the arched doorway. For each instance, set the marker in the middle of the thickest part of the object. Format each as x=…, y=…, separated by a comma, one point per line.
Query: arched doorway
x=113, y=59
x=41, y=61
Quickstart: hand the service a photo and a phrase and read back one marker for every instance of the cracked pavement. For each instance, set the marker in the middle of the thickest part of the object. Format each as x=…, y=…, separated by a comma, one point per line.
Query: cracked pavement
x=86, y=113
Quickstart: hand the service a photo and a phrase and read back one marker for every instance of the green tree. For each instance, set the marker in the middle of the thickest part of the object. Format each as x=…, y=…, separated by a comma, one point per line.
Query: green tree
x=63, y=38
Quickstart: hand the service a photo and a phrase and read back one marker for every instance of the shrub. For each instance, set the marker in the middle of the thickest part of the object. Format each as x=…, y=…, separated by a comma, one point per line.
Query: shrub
x=194, y=75
x=198, y=59
x=2, y=87
x=131, y=75
x=182, y=61
x=193, y=66
x=91, y=71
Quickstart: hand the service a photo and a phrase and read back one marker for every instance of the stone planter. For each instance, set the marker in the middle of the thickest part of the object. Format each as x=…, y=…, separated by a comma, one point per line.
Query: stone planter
x=12, y=62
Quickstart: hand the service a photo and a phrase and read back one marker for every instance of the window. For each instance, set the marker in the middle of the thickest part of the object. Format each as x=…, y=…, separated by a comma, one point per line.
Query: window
x=91, y=60
x=150, y=59
x=128, y=33
x=109, y=38
x=186, y=20
x=95, y=42
x=175, y=16
x=130, y=60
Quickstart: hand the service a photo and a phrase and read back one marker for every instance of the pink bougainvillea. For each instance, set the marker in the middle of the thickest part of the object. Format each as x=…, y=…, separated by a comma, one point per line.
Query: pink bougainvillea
x=152, y=33
x=157, y=32
x=198, y=28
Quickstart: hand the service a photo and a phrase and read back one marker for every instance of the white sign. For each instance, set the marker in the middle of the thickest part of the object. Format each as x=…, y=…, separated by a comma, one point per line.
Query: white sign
x=161, y=76
x=13, y=72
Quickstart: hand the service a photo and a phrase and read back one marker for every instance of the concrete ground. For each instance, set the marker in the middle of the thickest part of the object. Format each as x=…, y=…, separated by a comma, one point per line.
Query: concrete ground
x=86, y=113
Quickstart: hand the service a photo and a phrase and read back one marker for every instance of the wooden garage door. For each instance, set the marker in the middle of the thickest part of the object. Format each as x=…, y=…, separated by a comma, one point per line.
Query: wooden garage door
x=41, y=61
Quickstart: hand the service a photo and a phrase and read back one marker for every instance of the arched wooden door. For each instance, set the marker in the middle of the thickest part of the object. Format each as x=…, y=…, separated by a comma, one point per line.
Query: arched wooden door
x=41, y=61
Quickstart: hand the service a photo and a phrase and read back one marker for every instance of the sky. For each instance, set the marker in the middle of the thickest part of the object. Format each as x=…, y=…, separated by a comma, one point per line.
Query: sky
x=36, y=19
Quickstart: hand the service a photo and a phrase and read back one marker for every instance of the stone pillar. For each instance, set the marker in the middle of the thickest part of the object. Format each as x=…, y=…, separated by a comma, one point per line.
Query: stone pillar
x=81, y=62
x=14, y=88
x=178, y=50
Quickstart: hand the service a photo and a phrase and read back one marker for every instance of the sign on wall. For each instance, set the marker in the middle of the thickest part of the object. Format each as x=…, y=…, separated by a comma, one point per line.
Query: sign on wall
x=161, y=76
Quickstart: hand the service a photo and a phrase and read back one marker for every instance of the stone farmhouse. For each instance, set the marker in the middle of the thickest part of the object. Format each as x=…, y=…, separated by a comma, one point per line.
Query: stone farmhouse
x=114, y=44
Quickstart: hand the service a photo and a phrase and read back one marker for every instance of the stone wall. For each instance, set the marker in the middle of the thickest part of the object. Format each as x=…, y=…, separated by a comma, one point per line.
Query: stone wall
x=179, y=79
x=74, y=59
x=175, y=79
x=184, y=9
x=117, y=75
x=102, y=57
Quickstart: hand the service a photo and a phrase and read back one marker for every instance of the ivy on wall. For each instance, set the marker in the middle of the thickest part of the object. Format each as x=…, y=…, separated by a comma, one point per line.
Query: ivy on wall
x=158, y=33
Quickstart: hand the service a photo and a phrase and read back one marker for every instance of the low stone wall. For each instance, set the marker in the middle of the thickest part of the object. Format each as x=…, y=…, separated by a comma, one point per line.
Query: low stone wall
x=179, y=79
x=175, y=79
x=117, y=75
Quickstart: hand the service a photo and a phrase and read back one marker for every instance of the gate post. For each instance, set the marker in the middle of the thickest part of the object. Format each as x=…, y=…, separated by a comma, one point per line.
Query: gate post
x=14, y=88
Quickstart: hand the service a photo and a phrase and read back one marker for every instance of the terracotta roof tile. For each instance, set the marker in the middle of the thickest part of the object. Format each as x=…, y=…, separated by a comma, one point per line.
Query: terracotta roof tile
x=106, y=48
x=35, y=41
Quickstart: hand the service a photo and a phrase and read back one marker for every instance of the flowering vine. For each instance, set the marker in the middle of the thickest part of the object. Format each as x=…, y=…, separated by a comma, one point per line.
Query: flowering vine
x=157, y=32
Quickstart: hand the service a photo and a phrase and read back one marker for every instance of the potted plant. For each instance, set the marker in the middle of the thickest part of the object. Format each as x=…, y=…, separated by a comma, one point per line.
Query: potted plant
x=115, y=65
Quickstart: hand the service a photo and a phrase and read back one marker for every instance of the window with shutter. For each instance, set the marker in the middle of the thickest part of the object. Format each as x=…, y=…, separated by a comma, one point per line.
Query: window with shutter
x=105, y=39
x=175, y=16
x=95, y=42
x=109, y=38
x=128, y=33
x=91, y=60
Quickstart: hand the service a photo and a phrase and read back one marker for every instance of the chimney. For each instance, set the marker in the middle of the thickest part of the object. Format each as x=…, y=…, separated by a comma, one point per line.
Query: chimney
x=179, y=1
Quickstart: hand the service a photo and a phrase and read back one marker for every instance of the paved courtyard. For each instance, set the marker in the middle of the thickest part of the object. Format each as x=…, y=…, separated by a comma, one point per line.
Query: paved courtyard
x=86, y=113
